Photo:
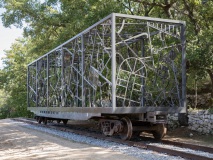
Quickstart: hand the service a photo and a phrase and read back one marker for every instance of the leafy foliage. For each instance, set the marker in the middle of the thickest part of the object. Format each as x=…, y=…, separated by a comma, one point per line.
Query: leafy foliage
x=198, y=15
x=13, y=78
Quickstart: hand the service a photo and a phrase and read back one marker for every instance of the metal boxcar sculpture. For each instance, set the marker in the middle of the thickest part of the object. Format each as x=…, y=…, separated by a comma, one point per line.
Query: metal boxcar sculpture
x=126, y=71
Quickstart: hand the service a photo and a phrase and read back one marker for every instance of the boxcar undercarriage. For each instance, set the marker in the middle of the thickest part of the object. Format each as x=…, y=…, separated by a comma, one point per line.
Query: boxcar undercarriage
x=124, y=125
x=126, y=72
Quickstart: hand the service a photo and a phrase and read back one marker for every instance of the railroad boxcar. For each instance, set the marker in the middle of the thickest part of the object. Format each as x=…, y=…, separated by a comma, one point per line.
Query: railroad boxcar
x=127, y=72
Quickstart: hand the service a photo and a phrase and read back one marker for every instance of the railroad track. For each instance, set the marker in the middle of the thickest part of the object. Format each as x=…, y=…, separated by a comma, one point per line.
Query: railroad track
x=144, y=145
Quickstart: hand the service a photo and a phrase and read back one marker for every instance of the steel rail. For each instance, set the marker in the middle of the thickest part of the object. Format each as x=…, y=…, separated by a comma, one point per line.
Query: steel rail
x=181, y=144
x=178, y=153
x=187, y=145
x=132, y=143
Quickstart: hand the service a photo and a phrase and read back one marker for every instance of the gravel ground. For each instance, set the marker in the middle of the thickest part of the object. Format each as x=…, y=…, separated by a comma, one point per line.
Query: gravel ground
x=20, y=143
x=123, y=149
x=77, y=146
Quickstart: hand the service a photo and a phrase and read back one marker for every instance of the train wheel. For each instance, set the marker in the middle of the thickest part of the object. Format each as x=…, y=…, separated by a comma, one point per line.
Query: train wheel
x=50, y=121
x=160, y=132
x=37, y=118
x=58, y=121
x=45, y=120
x=126, y=133
x=40, y=120
x=65, y=121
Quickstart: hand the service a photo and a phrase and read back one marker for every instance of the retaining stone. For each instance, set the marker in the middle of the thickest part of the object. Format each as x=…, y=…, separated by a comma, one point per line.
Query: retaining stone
x=200, y=121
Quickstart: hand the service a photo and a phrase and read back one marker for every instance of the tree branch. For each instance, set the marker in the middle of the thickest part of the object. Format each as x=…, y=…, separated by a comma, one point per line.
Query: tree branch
x=191, y=17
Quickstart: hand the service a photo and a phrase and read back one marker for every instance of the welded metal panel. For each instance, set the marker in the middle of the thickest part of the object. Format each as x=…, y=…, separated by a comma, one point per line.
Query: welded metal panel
x=149, y=62
x=121, y=64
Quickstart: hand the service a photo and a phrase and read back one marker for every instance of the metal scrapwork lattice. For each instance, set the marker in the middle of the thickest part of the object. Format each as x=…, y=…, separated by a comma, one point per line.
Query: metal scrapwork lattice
x=121, y=61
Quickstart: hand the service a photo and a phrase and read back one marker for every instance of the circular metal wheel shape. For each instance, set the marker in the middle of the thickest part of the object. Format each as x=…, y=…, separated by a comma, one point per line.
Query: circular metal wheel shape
x=126, y=134
x=160, y=131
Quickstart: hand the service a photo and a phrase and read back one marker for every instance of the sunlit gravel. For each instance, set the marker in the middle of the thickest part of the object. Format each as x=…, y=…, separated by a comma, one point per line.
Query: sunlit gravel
x=132, y=151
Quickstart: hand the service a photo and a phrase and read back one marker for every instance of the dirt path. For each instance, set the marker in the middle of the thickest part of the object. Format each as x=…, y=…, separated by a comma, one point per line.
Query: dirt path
x=18, y=143
x=182, y=134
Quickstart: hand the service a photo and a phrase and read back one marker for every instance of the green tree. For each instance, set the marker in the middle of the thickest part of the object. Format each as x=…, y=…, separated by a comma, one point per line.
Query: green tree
x=13, y=78
x=54, y=21
x=3, y=104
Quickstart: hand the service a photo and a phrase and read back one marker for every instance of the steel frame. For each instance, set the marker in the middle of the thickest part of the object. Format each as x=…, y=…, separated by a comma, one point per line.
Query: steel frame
x=122, y=64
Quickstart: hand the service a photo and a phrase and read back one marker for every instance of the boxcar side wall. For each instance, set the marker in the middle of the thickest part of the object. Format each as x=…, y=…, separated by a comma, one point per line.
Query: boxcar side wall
x=123, y=64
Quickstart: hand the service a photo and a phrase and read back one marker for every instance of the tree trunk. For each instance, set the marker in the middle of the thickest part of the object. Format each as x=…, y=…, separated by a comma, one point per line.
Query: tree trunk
x=210, y=72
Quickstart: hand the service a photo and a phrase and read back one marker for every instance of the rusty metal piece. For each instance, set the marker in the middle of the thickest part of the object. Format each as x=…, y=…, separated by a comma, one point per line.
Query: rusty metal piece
x=187, y=145
x=177, y=153
x=126, y=133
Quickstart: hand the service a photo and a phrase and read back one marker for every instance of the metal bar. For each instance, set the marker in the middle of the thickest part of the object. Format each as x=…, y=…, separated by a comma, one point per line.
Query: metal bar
x=176, y=81
x=28, y=104
x=82, y=70
x=62, y=78
x=77, y=84
x=32, y=89
x=187, y=145
x=148, y=18
x=183, y=40
x=134, y=37
x=113, y=41
x=108, y=110
x=36, y=83
x=143, y=73
x=47, y=72
x=78, y=35
x=177, y=153
x=164, y=31
x=96, y=71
